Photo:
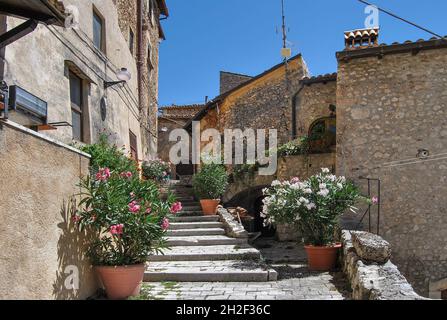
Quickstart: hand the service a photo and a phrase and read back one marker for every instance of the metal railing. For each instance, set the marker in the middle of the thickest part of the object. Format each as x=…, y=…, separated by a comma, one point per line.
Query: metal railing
x=368, y=212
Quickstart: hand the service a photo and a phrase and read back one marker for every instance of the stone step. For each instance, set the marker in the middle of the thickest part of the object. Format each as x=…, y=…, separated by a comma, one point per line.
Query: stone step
x=191, y=208
x=189, y=214
x=195, y=225
x=204, y=253
x=196, y=219
x=204, y=241
x=195, y=232
x=208, y=271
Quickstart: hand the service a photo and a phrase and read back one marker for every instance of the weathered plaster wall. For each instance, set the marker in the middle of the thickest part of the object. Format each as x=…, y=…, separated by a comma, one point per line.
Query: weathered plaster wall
x=37, y=63
x=387, y=110
x=37, y=241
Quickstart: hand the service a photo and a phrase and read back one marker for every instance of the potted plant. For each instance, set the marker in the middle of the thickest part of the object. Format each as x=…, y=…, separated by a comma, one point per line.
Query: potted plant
x=314, y=206
x=156, y=170
x=126, y=219
x=209, y=185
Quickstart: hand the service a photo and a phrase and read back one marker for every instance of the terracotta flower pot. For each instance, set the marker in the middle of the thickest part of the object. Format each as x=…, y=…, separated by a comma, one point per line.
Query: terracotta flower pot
x=121, y=282
x=209, y=206
x=322, y=258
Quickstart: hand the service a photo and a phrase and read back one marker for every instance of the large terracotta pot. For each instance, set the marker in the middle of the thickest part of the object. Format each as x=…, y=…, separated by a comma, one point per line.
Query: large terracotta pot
x=209, y=206
x=322, y=258
x=121, y=282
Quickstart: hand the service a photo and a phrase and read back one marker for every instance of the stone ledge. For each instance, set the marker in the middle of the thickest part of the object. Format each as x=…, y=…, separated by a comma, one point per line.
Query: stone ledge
x=232, y=228
x=374, y=281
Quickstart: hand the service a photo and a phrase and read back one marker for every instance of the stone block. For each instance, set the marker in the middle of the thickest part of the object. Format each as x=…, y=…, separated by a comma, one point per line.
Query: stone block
x=370, y=247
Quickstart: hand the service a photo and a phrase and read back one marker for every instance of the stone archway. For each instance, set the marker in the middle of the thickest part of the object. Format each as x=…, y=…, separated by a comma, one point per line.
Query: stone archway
x=251, y=200
x=438, y=289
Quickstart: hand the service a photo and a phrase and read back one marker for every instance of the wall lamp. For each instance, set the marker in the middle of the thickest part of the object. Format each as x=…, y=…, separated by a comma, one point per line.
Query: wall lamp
x=123, y=75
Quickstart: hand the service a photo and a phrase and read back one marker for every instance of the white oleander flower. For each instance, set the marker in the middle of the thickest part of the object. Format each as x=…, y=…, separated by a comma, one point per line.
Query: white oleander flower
x=311, y=206
x=276, y=183
x=323, y=192
x=307, y=191
x=323, y=186
x=325, y=170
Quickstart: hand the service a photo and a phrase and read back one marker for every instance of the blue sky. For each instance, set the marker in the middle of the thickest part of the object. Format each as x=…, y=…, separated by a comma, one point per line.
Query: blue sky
x=206, y=36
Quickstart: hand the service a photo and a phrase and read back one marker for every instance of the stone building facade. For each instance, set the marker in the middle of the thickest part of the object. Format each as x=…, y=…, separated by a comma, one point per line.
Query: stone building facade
x=67, y=69
x=171, y=118
x=391, y=121
x=262, y=102
x=386, y=105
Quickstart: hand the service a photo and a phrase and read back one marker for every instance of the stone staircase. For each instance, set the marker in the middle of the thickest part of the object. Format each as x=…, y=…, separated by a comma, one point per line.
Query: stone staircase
x=200, y=251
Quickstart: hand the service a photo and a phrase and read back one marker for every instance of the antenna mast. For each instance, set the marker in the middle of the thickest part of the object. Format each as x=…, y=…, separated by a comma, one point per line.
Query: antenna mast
x=285, y=52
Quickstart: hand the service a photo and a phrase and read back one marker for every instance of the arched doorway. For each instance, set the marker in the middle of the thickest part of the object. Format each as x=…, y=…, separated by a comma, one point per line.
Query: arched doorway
x=323, y=135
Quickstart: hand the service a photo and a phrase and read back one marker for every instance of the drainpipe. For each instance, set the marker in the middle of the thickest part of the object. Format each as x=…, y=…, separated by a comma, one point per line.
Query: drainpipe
x=294, y=113
x=140, y=53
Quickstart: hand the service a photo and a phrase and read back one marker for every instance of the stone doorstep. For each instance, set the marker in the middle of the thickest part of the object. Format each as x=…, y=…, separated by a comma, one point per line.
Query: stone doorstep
x=195, y=225
x=208, y=271
x=205, y=253
x=196, y=219
x=192, y=208
x=196, y=232
x=204, y=241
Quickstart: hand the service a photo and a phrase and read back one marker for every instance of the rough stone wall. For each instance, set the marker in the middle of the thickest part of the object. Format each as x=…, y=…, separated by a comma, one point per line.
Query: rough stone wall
x=230, y=80
x=127, y=18
x=373, y=281
x=304, y=166
x=37, y=238
x=38, y=64
x=313, y=103
x=266, y=103
x=389, y=109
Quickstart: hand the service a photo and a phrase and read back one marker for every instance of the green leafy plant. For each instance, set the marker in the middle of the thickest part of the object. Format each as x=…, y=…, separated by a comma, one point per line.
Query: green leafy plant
x=313, y=206
x=211, y=182
x=106, y=155
x=296, y=147
x=126, y=217
x=157, y=170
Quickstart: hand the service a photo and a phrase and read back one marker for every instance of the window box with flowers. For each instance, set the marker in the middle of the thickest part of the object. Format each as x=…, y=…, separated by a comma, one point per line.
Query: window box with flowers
x=314, y=207
x=127, y=219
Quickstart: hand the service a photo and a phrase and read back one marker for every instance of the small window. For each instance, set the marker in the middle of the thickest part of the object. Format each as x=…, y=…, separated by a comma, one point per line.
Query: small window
x=76, y=107
x=98, y=31
x=150, y=65
x=131, y=41
x=133, y=146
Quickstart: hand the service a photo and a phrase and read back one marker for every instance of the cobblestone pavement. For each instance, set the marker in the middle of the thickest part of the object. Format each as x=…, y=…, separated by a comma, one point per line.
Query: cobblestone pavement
x=295, y=281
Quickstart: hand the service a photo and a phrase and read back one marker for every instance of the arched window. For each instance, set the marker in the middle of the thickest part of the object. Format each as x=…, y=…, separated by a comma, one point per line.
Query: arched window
x=323, y=135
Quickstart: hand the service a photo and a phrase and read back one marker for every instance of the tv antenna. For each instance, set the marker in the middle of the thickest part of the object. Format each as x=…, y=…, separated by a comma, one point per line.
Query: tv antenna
x=286, y=52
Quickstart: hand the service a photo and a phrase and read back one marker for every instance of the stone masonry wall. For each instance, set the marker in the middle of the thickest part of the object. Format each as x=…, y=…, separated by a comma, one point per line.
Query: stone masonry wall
x=265, y=103
x=313, y=103
x=388, y=110
x=230, y=80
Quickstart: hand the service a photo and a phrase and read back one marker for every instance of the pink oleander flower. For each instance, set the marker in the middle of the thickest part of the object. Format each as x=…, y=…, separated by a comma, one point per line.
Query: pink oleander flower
x=176, y=207
x=165, y=173
x=148, y=210
x=132, y=195
x=76, y=218
x=127, y=174
x=134, y=207
x=117, y=229
x=165, y=224
x=295, y=180
x=103, y=174
x=375, y=200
